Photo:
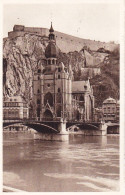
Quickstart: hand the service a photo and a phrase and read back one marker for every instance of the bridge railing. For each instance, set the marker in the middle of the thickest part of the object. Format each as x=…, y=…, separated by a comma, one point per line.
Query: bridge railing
x=45, y=120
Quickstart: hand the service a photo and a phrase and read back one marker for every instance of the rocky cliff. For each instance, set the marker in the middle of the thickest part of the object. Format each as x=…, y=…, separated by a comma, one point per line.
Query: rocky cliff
x=21, y=55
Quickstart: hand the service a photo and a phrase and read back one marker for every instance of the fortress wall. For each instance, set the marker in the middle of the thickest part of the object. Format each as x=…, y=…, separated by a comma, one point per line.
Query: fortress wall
x=15, y=34
x=65, y=42
x=41, y=31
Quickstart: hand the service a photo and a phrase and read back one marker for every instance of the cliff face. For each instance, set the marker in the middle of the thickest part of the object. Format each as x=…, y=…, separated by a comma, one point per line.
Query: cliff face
x=66, y=43
x=107, y=83
x=22, y=54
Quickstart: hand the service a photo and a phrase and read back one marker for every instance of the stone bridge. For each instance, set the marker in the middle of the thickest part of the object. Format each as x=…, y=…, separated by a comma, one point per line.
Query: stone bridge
x=59, y=130
x=52, y=126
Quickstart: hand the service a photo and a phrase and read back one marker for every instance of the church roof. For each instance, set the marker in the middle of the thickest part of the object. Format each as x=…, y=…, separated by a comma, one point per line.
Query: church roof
x=51, y=51
x=109, y=100
x=80, y=86
x=51, y=28
x=14, y=99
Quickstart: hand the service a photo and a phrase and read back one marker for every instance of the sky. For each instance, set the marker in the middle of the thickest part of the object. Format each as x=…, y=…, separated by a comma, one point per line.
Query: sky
x=98, y=21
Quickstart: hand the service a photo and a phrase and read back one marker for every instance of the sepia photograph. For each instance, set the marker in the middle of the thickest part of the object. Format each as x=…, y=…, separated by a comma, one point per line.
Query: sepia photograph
x=61, y=96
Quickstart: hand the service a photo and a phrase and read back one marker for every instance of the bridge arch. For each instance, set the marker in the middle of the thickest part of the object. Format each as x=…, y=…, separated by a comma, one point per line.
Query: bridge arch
x=84, y=125
x=43, y=128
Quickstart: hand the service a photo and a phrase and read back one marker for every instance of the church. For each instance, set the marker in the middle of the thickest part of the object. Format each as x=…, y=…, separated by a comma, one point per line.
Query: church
x=55, y=93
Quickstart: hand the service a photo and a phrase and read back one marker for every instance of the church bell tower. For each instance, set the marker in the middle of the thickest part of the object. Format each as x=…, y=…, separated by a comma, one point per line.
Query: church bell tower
x=52, y=85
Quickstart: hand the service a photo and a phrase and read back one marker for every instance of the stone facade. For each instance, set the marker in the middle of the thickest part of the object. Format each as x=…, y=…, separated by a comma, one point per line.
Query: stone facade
x=110, y=109
x=56, y=95
x=15, y=108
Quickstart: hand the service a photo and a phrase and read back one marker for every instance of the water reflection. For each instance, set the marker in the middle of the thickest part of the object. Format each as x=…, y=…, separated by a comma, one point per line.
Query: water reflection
x=85, y=163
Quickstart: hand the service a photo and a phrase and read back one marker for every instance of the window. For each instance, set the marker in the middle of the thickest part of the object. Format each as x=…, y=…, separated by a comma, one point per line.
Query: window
x=58, y=90
x=38, y=78
x=81, y=98
x=48, y=99
x=38, y=91
x=48, y=85
x=85, y=87
x=49, y=62
x=59, y=70
x=10, y=100
x=58, y=76
x=104, y=109
x=53, y=61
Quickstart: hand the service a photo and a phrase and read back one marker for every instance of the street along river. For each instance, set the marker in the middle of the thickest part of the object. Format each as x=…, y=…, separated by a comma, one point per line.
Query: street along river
x=83, y=164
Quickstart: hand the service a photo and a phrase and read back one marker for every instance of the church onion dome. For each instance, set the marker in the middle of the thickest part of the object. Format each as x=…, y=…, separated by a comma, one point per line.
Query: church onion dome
x=51, y=51
x=109, y=101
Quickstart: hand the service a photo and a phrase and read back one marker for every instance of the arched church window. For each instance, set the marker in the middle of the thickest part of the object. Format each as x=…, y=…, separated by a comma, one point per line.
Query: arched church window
x=48, y=99
x=38, y=78
x=59, y=69
x=38, y=91
x=38, y=112
x=53, y=61
x=81, y=98
x=58, y=90
x=77, y=115
x=58, y=76
x=49, y=62
x=38, y=101
x=39, y=71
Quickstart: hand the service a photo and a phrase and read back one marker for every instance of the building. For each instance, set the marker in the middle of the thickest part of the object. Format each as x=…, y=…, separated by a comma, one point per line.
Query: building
x=15, y=108
x=98, y=116
x=109, y=109
x=117, y=110
x=55, y=94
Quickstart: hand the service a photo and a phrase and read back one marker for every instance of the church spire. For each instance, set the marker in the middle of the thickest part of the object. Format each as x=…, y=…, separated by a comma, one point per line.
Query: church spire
x=51, y=34
x=51, y=28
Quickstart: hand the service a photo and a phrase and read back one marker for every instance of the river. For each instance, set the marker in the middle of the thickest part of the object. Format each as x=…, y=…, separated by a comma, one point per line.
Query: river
x=83, y=164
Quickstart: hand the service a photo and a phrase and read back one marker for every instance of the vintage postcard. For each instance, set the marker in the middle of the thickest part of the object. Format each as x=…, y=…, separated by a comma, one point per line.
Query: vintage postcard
x=62, y=107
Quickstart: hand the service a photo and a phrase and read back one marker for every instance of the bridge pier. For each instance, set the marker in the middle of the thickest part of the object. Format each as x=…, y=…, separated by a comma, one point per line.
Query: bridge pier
x=103, y=128
x=63, y=135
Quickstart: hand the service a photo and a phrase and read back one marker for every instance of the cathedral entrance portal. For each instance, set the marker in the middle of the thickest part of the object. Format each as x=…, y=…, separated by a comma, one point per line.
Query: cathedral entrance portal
x=48, y=115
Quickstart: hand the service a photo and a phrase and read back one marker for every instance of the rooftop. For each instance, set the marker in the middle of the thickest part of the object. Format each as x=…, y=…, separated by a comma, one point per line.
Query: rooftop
x=109, y=100
x=14, y=99
x=80, y=86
